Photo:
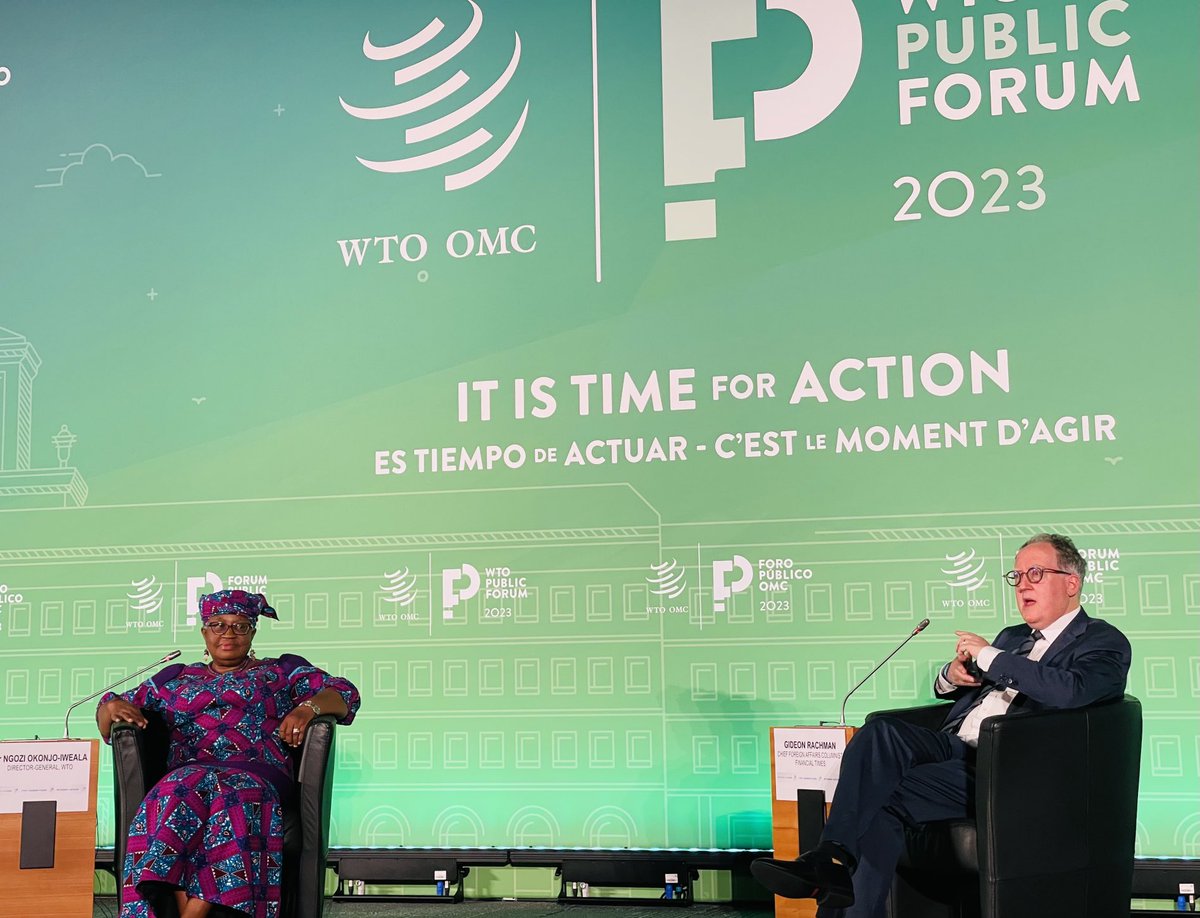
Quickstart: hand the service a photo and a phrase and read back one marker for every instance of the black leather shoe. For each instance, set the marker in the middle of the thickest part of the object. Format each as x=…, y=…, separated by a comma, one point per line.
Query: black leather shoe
x=813, y=875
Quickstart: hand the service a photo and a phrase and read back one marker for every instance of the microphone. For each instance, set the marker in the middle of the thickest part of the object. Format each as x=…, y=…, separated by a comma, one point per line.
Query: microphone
x=67, y=720
x=917, y=630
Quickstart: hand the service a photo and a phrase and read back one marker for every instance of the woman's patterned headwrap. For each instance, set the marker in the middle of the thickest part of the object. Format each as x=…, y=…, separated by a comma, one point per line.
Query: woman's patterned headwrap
x=235, y=602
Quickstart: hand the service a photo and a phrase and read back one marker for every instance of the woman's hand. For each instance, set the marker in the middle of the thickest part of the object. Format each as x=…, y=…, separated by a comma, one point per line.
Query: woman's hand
x=295, y=725
x=118, y=711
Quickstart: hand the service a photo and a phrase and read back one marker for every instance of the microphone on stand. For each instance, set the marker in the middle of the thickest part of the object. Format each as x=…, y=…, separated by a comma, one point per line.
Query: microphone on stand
x=917, y=630
x=67, y=720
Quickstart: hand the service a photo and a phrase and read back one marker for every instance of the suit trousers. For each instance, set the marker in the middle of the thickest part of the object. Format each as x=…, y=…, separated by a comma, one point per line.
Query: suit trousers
x=893, y=773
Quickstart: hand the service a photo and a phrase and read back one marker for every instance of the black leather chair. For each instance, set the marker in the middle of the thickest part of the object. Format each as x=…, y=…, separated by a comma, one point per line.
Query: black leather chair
x=140, y=760
x=1053, y=829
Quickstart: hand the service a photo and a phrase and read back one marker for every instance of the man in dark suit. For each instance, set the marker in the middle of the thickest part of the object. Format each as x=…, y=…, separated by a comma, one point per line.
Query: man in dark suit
x=895, y=773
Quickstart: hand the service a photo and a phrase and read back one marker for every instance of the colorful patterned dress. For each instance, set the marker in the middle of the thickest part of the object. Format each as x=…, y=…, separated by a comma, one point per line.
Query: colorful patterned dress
x=213, y=826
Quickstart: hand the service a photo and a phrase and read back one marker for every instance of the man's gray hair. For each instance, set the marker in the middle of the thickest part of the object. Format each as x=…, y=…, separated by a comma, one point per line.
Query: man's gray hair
x=1069, y=558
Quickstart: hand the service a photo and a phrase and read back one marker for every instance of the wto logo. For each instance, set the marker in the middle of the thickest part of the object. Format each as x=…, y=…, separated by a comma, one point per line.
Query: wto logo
x=451, y=594
x=965, y=571
x=400, y=587
x=723, y=587
x=415, y=105
x=695, y=144
x=669, y=579
x=146, y=596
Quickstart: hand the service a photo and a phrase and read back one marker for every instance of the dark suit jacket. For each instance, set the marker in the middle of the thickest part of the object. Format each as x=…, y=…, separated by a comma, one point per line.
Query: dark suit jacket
x=1088, y=662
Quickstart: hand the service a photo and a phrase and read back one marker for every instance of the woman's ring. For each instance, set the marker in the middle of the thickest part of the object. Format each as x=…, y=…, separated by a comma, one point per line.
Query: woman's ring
x=295, y=729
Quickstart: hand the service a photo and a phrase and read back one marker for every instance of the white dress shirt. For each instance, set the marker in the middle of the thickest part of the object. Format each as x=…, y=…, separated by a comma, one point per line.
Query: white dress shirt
x=997, y=702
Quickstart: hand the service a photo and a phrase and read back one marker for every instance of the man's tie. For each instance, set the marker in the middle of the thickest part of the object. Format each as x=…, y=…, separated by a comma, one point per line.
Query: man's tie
x=1027, y=644
x=1023, y=651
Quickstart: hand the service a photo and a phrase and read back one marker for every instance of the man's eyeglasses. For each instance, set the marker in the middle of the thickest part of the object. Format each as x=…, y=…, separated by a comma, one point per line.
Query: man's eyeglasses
x=239, y=627
x=1033, y=575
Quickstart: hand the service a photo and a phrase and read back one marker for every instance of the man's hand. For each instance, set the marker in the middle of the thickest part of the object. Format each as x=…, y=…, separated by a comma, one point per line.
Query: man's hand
x=969, y=645
x=958, y=674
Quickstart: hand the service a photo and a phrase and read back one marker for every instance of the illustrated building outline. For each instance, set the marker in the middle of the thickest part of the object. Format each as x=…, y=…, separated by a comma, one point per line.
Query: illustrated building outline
x=21, y=483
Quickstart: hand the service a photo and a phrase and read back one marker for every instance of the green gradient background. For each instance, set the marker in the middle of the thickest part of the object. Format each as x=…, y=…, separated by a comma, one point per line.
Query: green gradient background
x=582, y=719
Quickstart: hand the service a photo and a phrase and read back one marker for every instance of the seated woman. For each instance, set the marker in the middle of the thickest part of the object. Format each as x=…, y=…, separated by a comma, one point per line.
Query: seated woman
x=210, y=833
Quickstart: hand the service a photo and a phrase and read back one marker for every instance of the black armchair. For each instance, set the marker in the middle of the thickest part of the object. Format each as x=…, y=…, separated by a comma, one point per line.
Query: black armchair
x=1053, y=830
x=140, y=760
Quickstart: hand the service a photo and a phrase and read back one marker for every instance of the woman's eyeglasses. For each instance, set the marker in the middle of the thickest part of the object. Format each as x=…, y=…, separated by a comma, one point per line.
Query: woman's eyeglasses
x=238, y=628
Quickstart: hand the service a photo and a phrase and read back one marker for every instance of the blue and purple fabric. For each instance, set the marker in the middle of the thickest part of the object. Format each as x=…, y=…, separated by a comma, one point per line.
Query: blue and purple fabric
x=235, y=602
x=213, y=826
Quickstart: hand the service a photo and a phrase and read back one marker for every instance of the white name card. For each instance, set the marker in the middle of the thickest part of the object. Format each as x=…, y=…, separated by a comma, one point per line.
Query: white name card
x=56, y=770
x=807, y=758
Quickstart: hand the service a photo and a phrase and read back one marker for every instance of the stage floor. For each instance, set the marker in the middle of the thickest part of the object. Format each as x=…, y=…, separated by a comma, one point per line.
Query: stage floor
x=106, y=907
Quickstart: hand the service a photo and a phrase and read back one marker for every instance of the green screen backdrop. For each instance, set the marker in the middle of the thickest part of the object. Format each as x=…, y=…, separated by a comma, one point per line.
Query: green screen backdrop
x=595, y=384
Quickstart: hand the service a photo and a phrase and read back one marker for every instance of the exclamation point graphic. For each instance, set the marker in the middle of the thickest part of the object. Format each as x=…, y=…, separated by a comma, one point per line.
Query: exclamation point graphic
x=695, y=144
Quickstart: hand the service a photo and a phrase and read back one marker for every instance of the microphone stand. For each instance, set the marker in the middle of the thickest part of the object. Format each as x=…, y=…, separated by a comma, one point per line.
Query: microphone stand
x=917, y=630
x=67, y=720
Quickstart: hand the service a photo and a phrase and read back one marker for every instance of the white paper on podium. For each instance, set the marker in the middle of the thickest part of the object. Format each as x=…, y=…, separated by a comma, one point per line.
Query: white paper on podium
x=52, y=770
x=807, y=758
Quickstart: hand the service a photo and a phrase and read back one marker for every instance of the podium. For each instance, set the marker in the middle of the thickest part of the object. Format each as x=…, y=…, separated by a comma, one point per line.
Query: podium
x=804, y=760
x=47, y=826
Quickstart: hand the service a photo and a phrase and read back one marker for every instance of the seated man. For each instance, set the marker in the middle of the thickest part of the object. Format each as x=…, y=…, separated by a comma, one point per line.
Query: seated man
x=895, y=773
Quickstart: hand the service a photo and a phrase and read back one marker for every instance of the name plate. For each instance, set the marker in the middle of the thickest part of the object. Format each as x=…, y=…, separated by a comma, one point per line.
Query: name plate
x=807, y=758
x=56, y=770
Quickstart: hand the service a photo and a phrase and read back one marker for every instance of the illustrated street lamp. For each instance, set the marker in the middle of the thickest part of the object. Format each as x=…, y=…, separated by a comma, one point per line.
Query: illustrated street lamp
x=63, y=441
